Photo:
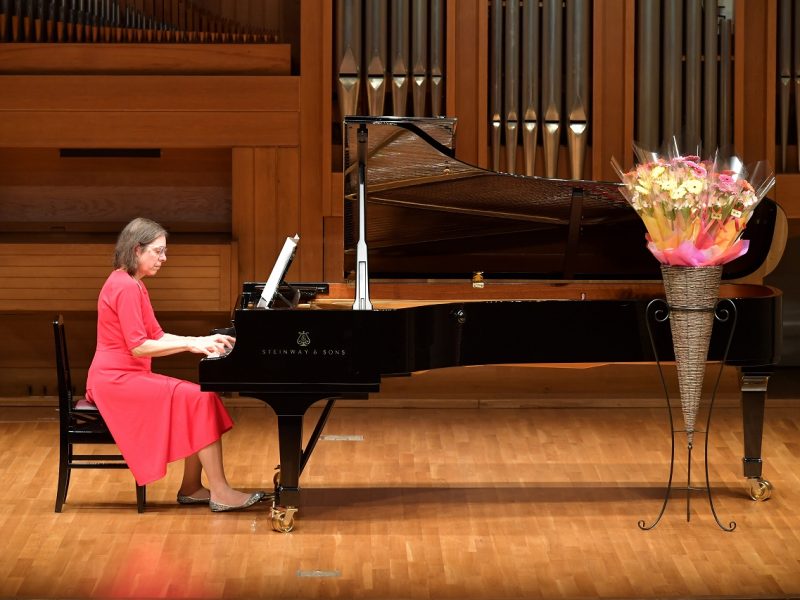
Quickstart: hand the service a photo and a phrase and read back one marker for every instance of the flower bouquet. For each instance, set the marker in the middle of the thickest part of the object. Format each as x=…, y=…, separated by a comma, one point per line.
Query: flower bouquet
x=695, y=212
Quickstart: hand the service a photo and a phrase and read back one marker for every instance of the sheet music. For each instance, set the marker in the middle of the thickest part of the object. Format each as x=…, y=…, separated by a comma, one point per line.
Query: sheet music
x=279, y=270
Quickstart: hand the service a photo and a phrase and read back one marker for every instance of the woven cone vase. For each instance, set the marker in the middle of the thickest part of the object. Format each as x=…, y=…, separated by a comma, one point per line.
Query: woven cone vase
x=692, y=294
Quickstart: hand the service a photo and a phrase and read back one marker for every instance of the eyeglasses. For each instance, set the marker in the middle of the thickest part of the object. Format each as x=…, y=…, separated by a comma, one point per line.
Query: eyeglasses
x=160, y=251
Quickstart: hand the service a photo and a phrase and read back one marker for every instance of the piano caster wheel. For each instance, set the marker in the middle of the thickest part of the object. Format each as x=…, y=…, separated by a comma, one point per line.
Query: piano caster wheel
x=276, y=479
x=760, y=489
x=283, y=518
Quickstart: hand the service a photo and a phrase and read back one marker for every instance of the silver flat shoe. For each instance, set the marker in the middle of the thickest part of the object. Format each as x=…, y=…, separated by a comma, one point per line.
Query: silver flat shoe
x=192, y=500
x=253, y=499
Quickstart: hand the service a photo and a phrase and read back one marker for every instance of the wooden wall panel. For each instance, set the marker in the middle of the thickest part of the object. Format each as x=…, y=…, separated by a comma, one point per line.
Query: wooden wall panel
x=333, y=231
x=288, y=211
x=148, y=93
x=265, y=199
x=234, y=287
x=147, y=129
x=336, y=195
x=31, y=368
x=67, y=277
x=787, y=193
x=613, y=87
x=265, y=191
x=315, y=145
x=45, y=208
x=468, y=70
x=145, y=59
x=175, y=167
x=243, y=215
x=148, y=112
x=184, y=190
x=195, y=278
x=334, y=253
x=754, y=85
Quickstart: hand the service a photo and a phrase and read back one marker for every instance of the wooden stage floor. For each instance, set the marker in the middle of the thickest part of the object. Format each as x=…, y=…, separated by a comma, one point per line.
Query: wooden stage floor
x=430, y=503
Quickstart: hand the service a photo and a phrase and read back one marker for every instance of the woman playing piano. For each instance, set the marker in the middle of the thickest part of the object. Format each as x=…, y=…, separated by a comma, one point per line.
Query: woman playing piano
x=156, y=419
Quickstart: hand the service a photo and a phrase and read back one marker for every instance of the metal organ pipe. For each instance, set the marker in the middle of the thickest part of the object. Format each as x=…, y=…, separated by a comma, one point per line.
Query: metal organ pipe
x=725, y=86
x=376, y=55
x=540, y=78
x=784, y=74
x=695, y=82
x=578, y=67
x=672, y=84
x=400, y=70
x=437, y=58
x=511, y=112
x=710, y=80
x=796, y=61
x=552, y=44
x=119, y=21
x=530, y=82
x=495, y=73
x=403, y=49
x=648, y=42
x=419, y=55
x=348, y=54
x=694, y=53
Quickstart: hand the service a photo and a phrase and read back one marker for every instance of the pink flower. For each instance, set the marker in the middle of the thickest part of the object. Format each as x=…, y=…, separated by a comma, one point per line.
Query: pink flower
x=699, y=170
x=726, y=183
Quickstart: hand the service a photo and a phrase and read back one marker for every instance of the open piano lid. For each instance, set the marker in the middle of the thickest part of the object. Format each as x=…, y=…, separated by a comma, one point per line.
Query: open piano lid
x=430, y=215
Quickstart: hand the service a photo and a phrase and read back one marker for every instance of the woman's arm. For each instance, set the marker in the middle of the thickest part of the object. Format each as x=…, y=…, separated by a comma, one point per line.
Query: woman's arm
x=173, y=344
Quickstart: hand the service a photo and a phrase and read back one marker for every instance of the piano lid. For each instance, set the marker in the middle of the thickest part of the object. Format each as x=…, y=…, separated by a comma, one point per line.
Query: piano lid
x=430, y=215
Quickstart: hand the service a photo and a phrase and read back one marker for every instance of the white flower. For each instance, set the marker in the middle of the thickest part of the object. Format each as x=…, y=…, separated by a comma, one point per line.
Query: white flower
x=667, y=183
x=678, y=192
x=693, y=186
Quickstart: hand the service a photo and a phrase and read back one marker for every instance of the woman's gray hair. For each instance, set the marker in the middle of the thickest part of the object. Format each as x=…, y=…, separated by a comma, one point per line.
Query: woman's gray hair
x=138, y=233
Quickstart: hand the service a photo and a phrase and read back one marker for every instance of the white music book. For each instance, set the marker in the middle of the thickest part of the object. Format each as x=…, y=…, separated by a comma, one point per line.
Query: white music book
x=279, y=270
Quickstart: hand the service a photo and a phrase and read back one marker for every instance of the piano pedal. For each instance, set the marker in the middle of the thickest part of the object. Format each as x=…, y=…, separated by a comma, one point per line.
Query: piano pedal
x=276, y=479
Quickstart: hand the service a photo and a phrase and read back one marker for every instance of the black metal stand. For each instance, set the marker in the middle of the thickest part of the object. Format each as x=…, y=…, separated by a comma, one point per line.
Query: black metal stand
x=659, y=311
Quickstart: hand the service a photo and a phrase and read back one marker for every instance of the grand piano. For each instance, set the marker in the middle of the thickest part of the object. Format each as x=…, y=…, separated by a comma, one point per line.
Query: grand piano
x=447, y=265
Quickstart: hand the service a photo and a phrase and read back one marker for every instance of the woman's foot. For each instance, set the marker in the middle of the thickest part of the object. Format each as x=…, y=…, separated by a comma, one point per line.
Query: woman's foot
x=199, y=496
x=230, y=497
x=247, y=500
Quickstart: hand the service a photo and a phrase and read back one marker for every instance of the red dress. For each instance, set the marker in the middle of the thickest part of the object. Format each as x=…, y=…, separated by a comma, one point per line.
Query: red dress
x=154, y=419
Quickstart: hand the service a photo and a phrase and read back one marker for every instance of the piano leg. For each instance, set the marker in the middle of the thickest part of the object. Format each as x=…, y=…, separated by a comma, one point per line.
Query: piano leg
x=290, y=437
x=290, y=412
x=754, y=395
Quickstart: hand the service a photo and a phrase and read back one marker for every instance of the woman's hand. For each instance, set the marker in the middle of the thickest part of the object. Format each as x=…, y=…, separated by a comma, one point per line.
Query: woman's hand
x=211, y=345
